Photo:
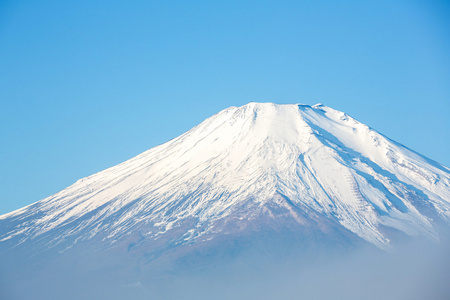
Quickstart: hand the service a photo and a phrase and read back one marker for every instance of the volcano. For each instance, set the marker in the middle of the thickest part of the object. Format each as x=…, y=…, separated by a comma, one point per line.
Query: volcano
x=251, y=173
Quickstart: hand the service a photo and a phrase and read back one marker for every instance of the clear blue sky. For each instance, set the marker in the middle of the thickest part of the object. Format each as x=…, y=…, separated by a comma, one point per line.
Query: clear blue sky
x=85, y=85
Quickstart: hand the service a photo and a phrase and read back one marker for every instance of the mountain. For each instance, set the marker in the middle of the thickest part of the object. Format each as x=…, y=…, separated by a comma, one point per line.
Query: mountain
x=253, y=173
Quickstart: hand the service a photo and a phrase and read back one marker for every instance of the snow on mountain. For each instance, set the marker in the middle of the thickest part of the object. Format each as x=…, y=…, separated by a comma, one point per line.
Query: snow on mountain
x=313, y=165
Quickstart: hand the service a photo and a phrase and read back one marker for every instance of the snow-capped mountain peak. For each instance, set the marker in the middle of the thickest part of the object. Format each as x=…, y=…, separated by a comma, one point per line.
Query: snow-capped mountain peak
x=312, y=165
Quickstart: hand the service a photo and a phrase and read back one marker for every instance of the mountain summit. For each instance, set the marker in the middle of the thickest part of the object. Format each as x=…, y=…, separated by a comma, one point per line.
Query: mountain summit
x=310, y=170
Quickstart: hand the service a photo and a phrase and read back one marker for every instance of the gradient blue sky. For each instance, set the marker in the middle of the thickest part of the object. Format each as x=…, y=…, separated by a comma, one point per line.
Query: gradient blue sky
x=85, y=85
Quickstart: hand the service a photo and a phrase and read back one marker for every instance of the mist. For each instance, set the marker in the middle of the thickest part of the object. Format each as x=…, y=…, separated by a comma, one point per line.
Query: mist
x=414, y=270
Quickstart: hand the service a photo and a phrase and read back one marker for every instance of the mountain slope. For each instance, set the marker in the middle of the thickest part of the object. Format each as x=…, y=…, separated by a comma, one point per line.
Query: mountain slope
x=306, y=168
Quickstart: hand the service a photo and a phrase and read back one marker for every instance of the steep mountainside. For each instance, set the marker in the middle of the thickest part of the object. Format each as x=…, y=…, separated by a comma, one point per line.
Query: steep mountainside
x=307, y=169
